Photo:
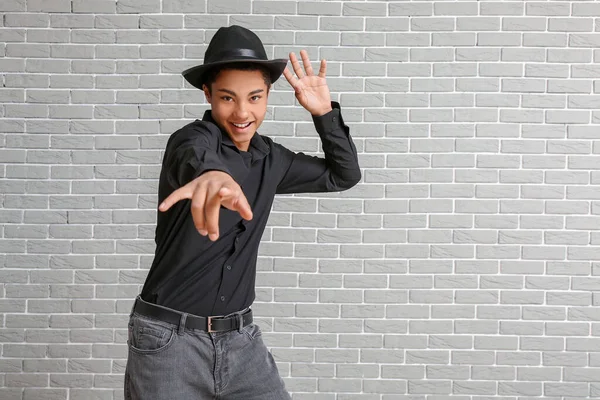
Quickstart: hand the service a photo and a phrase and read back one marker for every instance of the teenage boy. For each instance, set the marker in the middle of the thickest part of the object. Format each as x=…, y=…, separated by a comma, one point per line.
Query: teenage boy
x=191, y=332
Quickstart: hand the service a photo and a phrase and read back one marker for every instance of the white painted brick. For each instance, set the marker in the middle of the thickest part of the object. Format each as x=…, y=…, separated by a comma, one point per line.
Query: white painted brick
x=466, y=257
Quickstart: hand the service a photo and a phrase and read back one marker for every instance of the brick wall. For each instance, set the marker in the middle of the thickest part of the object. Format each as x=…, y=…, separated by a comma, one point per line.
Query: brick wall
x=465, y=265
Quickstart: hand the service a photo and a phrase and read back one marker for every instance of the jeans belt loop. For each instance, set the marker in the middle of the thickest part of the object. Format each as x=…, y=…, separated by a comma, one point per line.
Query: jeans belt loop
x=240, y=319
x=182, y=321
x=133, y=307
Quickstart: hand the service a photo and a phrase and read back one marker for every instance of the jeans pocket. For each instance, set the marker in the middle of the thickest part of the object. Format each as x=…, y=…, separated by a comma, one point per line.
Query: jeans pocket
x=252, y=331
x=148, y=336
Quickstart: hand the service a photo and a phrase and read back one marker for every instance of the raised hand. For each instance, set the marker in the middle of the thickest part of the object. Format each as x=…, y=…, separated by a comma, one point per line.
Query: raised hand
x=209, y=192
x=311, y=90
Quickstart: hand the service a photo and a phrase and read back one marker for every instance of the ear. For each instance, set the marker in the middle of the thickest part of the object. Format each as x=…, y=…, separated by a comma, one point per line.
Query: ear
x=206, y=93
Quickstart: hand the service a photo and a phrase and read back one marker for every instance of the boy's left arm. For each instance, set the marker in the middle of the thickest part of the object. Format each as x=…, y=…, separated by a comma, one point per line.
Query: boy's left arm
x=339, y=170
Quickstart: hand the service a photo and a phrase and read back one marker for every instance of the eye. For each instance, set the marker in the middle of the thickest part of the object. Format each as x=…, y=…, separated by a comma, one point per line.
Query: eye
x=226, y=98
x=255, y=98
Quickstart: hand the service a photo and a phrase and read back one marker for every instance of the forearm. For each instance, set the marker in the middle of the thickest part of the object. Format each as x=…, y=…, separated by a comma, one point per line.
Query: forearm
x=193, y=162
x=338, y=171
x=340, y=151
x=188, y=156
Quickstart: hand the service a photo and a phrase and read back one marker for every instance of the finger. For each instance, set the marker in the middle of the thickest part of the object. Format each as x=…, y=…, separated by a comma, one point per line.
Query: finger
x=236, y=201
x=211, y=211
x=243, y=207
x=292, y=80
x=290, y=77
x=197, y=208
x=307, y=65
x=183, y=192
x=296, y=66
x=323, y=68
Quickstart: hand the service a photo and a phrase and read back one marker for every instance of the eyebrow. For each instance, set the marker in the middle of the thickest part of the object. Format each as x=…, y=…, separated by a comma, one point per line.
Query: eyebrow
x=231, y=92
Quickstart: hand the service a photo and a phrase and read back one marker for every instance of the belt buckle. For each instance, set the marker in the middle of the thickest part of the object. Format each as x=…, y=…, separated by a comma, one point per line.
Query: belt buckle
x=210, y=329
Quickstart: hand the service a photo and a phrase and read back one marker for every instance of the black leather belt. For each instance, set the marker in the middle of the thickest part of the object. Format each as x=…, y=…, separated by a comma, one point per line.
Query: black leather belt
x=208, y=324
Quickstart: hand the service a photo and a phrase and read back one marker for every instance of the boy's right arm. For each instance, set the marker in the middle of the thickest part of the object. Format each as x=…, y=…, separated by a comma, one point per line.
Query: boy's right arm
x=190, y=153
x=194, y=168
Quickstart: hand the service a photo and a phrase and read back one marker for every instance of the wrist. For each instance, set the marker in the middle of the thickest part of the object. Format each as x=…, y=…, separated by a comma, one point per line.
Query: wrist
x=323, y=111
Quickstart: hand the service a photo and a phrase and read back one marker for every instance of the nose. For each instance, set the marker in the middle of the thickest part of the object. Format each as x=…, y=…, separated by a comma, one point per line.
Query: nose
x=241, y=111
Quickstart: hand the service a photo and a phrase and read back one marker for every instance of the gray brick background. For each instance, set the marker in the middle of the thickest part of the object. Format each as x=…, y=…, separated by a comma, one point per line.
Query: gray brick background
x=465, y=265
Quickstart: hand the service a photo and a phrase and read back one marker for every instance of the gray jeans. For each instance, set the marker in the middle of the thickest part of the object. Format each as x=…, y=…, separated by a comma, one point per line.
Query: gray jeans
x=168, y=363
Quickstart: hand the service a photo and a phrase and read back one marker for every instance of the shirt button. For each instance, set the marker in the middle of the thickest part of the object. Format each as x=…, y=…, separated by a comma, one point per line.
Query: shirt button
x=229, y=267
x=222, y=298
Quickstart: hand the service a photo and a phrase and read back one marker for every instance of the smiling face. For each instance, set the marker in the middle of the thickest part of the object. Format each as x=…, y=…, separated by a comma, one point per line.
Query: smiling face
x=238, y=100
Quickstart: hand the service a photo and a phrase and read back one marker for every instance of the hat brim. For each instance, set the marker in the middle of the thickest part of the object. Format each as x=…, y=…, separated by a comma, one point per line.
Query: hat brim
x=196, y=75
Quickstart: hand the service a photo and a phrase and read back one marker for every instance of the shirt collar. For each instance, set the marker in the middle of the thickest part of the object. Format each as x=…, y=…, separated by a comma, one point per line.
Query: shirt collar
x=258, y=147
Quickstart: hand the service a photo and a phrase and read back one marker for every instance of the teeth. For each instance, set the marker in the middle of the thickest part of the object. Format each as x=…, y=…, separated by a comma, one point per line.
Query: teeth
x=242, y=125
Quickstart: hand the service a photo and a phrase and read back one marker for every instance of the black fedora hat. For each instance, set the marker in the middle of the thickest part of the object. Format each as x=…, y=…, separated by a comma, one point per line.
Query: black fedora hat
x=230, y=45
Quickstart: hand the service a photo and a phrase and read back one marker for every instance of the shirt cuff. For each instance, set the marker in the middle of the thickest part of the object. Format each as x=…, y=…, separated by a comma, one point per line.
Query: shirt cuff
x=331, y=121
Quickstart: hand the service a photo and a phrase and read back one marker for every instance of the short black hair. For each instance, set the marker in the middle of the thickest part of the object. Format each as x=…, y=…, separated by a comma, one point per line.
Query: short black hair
x=211, y=75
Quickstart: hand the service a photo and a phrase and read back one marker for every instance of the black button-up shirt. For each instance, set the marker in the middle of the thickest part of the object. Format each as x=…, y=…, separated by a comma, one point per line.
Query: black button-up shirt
x=192, y=274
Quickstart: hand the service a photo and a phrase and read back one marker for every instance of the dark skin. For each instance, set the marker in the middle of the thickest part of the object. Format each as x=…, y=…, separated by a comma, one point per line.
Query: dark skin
x=214, y=189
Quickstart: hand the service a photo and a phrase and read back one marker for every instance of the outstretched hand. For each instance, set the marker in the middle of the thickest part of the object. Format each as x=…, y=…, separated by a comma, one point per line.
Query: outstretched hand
x=209, y=192
x=311, y=90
